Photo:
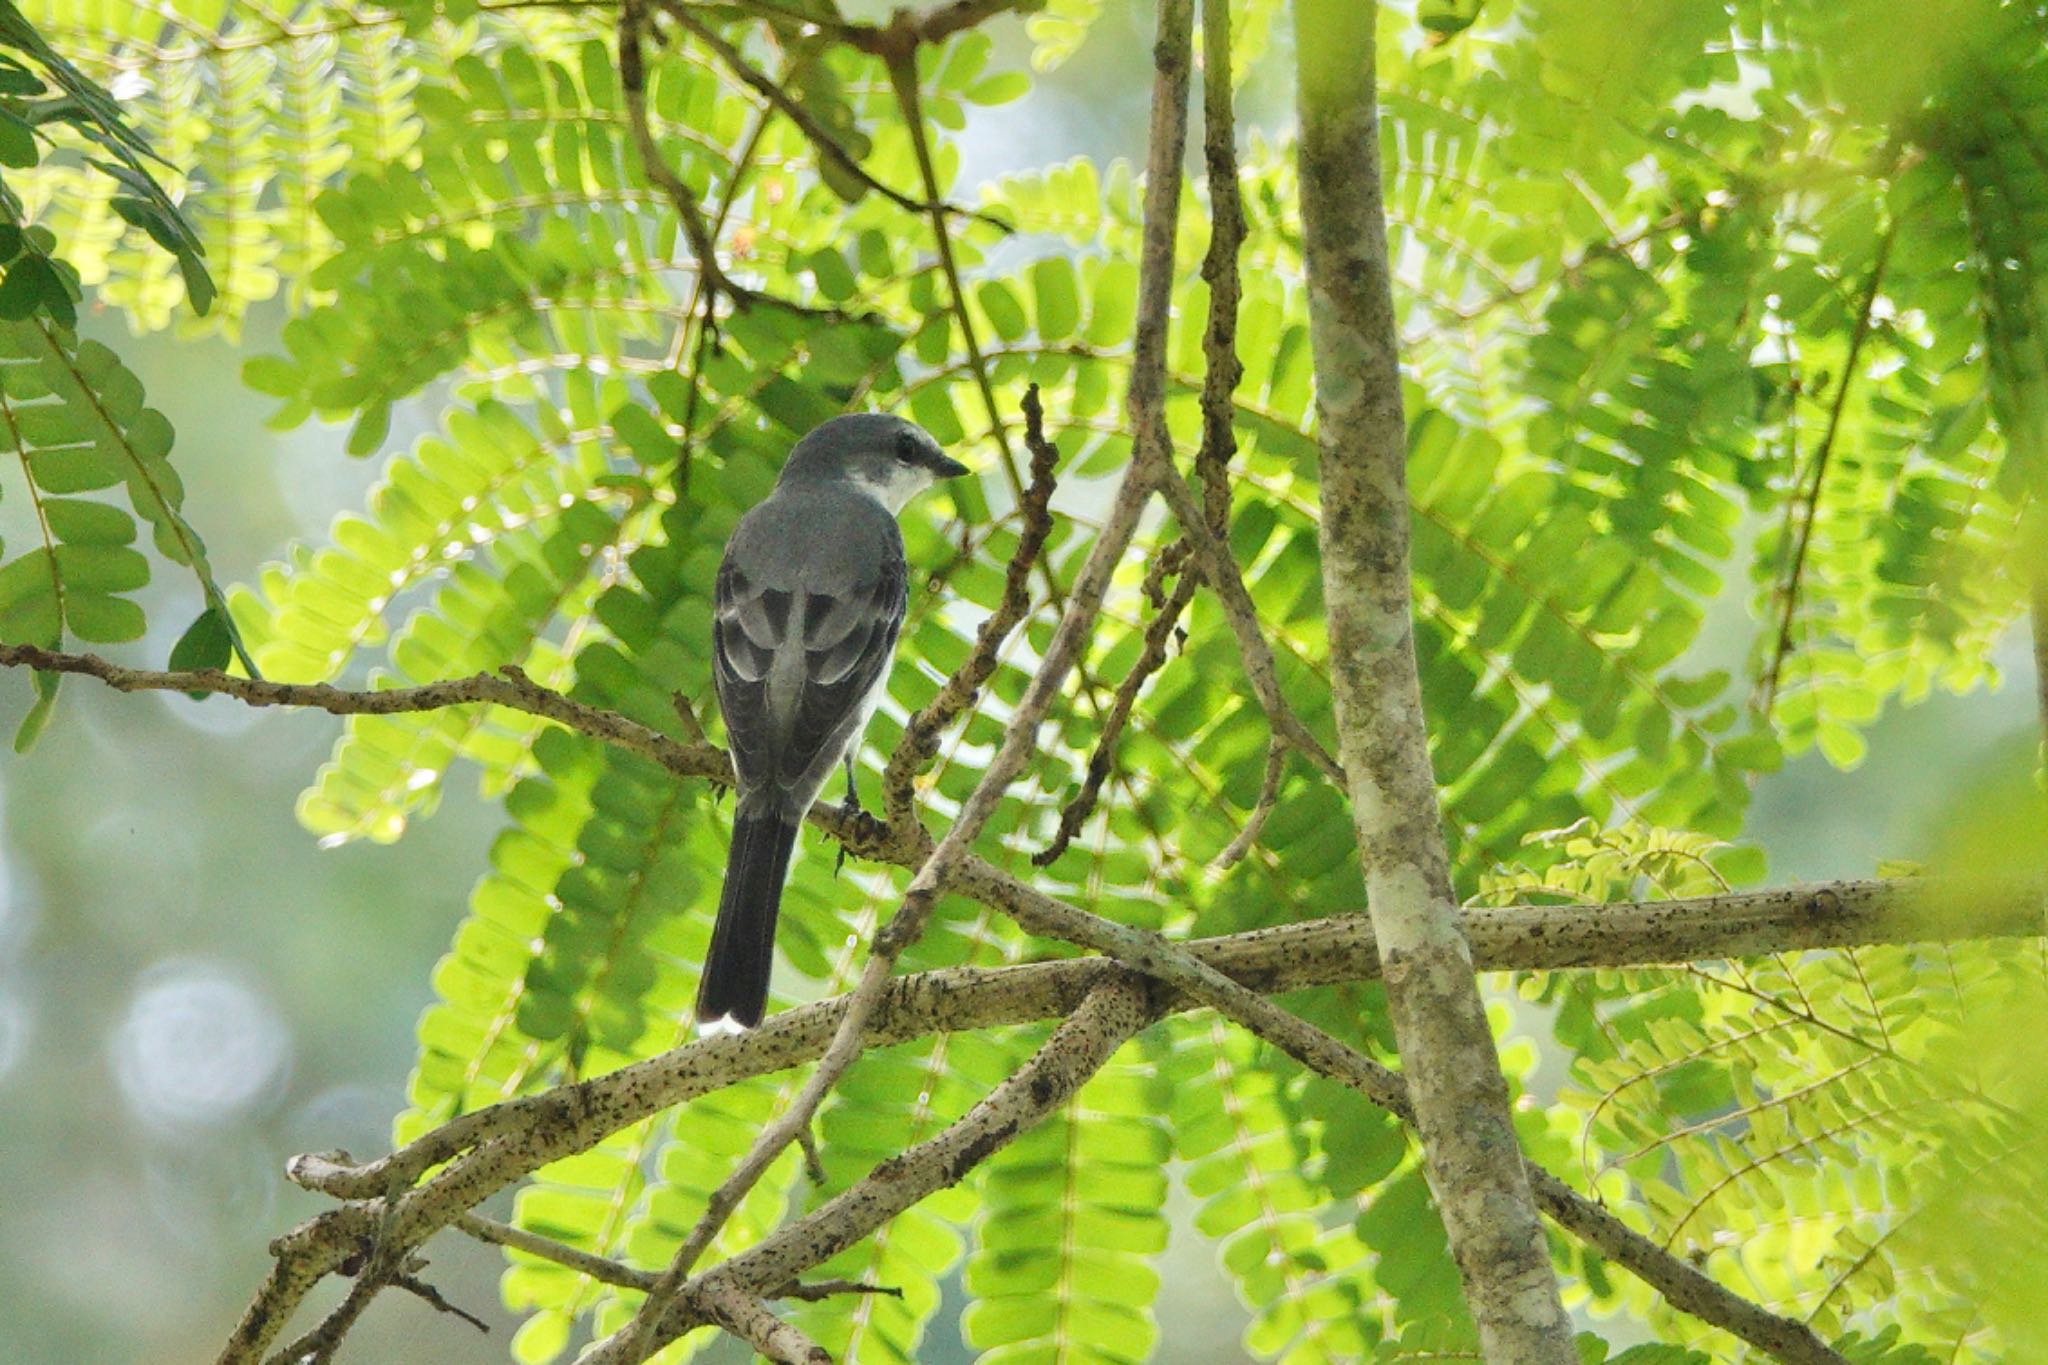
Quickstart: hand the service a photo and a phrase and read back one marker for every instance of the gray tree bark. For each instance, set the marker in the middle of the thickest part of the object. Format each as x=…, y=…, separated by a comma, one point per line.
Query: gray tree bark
x=1454, y=1080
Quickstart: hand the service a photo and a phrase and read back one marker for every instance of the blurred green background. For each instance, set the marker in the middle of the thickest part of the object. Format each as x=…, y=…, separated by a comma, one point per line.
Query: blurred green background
x=190, y=991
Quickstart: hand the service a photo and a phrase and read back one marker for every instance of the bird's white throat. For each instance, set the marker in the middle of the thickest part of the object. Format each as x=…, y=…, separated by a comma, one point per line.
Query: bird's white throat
x=898, y=487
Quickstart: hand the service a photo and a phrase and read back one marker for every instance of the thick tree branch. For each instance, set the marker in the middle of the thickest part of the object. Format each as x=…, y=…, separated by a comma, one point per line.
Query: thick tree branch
x=1447, y=1053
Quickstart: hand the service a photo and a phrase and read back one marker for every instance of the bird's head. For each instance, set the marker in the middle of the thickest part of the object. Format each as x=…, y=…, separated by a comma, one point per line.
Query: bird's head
x=884, y=456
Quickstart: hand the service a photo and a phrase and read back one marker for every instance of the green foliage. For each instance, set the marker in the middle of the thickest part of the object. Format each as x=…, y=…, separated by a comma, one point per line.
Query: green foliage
x=75, y=421
x=40, y=91
x=1720, y=299
x=1801, y=1126
x=1071, y=1214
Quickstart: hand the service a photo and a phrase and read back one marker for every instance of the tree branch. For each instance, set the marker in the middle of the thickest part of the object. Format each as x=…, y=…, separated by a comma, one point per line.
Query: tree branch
x=600, y=1268
x=1110, y=1015
x=1447, y=1052
x=746, y=1317
x=491, y=1148
x=633, y=86
x=1220, y=377
x=509, y=687
x=901, y=61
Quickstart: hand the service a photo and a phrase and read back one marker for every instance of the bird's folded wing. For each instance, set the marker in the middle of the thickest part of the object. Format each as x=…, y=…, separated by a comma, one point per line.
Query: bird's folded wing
x=833, y=647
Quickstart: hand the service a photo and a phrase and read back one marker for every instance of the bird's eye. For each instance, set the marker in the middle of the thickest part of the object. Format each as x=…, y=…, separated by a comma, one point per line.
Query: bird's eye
x=906, y=449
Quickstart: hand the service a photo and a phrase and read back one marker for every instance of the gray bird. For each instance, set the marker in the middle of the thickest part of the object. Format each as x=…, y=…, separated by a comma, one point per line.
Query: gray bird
x=810, y=598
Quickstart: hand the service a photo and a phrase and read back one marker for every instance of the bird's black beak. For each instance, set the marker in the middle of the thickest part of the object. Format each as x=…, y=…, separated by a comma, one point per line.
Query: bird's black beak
x=945, y=468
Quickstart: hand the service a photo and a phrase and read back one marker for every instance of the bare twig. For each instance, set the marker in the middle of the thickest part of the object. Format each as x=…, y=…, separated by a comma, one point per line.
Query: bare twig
x=419, y=1288
x=600, y=1268
x=1220, y=572
x=933, y=26
x=1255, y=824
x=1222, y=371
x=819, y=136
x=509, y=687
x=814, y=1164
x=702, y=234
x=816, y=1291
x=1159, y=635
x=633, y=86
x=901, y=61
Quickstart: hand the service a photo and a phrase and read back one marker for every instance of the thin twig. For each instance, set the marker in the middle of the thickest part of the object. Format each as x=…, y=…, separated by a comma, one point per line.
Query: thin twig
x=920, y=741
x=1255, y=824
x=1222, y=371
x=419, y=1288
x=633, y=87
x=702, y=236
x=902, y=65
x=1781, y=649
x=814, y=1164
x=819, y=136
x=819, y=1290
x=1220, y=571
x=600, y=1268
x=509, y=687
x=1159, y=635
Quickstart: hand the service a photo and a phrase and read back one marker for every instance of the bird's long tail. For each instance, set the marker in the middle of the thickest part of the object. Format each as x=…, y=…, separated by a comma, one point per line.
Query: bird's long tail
x=734, y=987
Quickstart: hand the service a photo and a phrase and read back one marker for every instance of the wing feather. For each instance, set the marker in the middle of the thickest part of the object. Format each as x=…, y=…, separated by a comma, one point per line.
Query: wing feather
x=835, y=646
